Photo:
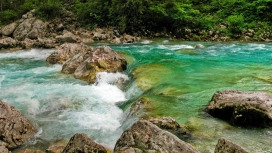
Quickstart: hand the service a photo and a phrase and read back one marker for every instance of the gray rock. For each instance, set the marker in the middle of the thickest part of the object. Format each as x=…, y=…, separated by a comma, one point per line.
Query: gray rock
x=15, y=128
x=101, y=59
x=9, y=29
x=226, y=146
x=82, y=143
x=242, y=108
x=67, y=51
x=169, y=124
x=128, y=39
x=71, y=65
x=67, y=37
x=199, y=46
x=144, y=136
x=3, y=149
x=8, y=43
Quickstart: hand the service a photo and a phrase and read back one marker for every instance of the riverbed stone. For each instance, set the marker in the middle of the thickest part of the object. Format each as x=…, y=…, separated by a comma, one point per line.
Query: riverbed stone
x=242, y=108
x=82, y=143
x=15, y=128
x=67, y=51
x=144, y=136
x=68, y=37
x=101, y=59
x=226, y=146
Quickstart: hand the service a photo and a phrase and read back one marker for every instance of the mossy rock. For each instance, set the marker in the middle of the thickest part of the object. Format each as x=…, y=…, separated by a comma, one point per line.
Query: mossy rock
x=149, y=76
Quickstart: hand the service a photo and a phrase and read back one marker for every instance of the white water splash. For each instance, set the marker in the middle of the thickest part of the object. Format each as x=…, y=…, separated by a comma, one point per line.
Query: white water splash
x=35, y=54
x=175, y=47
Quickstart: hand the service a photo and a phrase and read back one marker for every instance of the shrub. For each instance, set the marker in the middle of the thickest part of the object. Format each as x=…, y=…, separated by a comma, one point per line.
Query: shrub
x=235, y=23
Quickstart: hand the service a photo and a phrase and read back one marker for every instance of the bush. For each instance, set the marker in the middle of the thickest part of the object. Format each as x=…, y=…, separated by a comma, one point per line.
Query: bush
x=235, y=23
x=8, y=16
x=49, y=9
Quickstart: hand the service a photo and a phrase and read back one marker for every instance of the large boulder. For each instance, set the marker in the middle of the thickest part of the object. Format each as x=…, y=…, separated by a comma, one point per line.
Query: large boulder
x=8, y=42
x=242, y=108
x=101, y=59
x=226, y=146
x=144, y=136
x=9, y=29
x=67, y=51
x=82, y=143
x=30, y=27
x=15, y=128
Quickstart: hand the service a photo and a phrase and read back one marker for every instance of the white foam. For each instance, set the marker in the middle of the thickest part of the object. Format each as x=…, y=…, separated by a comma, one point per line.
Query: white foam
x=175, y=47
x=36, y=54
x=146, y=42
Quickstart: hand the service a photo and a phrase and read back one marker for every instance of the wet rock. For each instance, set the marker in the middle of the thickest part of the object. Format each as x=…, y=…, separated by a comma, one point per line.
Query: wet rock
x=144, y=136
x=169, y=124
x=82, y=143
x=15, y=128
x=9, y=29
x=67, y=37
x=71, y=65
x=101, y=59
x=142, y=108
x=199, y=46
x=226, y=146
x=57, y=147
x=8, y=42
x=67, y=51
x=3, y=149
x=242, y=108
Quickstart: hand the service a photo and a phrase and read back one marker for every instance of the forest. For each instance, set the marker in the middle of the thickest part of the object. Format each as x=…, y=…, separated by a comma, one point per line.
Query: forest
x=143, y=16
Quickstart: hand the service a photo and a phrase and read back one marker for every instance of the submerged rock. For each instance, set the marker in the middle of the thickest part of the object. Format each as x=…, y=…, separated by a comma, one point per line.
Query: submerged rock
x=149, y=76
x=15, y=128
x=101, y=59
x=226, y=146
x=67, y=51
x=82, y=143
x=144, y=136
x=169, y=124
x=142, y=108
x=242, y=108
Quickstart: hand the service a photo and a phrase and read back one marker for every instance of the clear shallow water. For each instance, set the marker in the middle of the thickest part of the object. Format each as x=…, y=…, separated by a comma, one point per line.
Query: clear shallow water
x=178, y=78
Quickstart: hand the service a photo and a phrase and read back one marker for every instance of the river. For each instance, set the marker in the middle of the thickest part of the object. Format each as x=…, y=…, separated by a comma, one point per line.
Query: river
x=178, y=78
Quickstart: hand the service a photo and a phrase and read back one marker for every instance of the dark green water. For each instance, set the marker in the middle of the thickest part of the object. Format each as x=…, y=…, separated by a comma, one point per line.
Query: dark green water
x=179, y=79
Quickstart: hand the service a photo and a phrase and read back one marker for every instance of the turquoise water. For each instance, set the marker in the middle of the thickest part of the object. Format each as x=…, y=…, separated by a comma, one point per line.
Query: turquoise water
x=179, y=79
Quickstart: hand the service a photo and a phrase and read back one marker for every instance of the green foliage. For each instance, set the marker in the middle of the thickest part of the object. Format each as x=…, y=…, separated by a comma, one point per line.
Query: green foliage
x=235, y=23
x=49, y=9
x=8, y=16
x=145, y=16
